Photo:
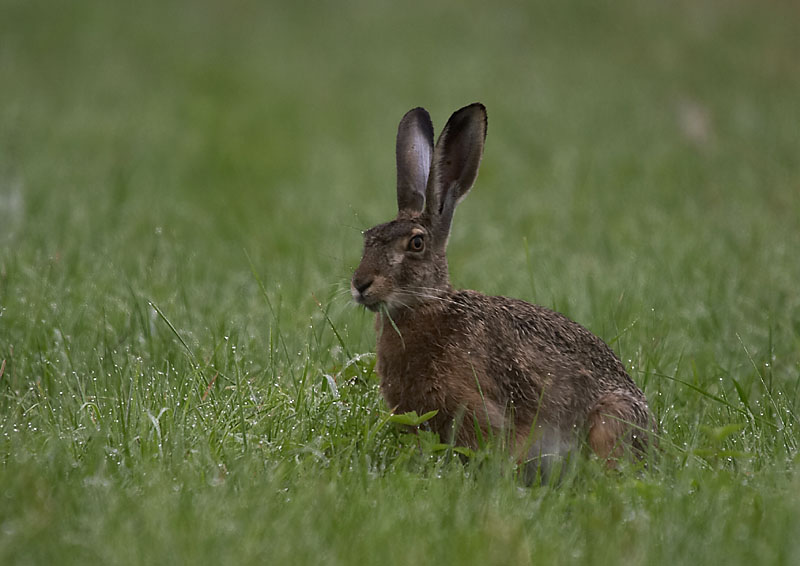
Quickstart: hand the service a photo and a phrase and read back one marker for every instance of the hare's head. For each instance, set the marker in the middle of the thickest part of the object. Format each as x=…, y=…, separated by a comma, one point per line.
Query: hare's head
x=404, y=260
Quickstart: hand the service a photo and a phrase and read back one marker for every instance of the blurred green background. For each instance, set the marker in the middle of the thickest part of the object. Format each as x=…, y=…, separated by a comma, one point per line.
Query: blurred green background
x=641, y=175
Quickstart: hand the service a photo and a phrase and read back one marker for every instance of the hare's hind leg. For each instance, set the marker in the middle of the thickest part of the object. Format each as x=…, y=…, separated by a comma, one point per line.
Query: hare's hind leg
x=616, y=424
x=546, y=453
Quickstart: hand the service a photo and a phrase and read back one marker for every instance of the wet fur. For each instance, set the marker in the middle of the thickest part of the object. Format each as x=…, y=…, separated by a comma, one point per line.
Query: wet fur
x=500, y=363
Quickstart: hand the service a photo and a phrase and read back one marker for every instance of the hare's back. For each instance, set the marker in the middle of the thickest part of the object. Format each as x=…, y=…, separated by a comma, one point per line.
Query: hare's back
x=536, y=343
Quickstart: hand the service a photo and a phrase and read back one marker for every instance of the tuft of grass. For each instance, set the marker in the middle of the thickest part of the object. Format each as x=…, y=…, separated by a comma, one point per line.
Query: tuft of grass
x=182, y=189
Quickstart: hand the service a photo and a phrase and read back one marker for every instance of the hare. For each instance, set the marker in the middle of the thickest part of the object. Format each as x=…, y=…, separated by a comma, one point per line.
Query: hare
x=488, y=365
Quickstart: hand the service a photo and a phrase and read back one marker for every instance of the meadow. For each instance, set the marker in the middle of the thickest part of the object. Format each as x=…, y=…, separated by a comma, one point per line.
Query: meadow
x=183, y=185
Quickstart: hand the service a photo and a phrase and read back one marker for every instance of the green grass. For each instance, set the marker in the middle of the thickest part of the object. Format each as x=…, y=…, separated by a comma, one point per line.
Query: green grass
x=182, y=189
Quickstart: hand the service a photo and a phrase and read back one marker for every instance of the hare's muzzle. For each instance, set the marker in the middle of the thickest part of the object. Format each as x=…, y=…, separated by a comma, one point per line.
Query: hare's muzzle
x=359, y=288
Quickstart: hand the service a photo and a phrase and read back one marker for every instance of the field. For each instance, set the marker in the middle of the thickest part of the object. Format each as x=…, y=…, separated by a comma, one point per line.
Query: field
x=183, y=187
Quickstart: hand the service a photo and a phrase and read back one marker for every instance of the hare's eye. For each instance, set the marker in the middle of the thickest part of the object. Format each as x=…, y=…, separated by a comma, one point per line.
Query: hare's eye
x=416, y=244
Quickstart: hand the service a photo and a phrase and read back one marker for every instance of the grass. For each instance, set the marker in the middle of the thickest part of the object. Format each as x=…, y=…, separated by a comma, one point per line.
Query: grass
x=182, y=189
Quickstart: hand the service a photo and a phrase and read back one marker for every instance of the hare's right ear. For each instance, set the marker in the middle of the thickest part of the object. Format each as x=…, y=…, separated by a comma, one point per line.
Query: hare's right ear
x=414, y=154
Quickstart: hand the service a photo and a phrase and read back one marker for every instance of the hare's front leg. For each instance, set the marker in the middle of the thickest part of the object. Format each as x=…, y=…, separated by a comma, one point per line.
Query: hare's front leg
x=474, y=424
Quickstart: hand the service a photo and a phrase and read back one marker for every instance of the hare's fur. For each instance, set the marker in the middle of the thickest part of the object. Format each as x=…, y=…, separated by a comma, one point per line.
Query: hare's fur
x=507, y=366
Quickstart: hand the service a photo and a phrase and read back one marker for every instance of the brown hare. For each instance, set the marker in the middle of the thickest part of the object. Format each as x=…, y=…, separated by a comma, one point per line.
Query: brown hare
x=489, y=365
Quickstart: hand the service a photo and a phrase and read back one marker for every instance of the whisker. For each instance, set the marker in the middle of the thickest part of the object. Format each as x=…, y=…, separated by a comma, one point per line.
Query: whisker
x=397, y=302
x=431, y=297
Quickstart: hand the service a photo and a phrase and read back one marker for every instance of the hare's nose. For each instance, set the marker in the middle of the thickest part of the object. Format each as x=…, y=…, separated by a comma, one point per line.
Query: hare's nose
x=361, y=285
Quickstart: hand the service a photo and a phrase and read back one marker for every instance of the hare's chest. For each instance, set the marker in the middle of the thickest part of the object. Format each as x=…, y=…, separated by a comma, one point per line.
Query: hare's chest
x=411, y=379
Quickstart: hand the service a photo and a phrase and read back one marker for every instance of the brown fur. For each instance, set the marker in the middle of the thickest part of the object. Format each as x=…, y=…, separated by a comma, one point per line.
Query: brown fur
x=501, y=363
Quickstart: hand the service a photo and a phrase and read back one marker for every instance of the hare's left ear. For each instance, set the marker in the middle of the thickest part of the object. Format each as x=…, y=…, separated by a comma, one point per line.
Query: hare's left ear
x=414, y=154
x=456, y=159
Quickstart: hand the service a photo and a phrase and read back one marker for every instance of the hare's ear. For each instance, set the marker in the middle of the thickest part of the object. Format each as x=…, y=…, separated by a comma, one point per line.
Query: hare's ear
x=455, y=166
x=414, y=154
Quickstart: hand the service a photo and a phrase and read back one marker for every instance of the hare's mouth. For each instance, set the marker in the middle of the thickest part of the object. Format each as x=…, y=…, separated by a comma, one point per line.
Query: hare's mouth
x=364, y=295
x=371, y=304
x=373, y=292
